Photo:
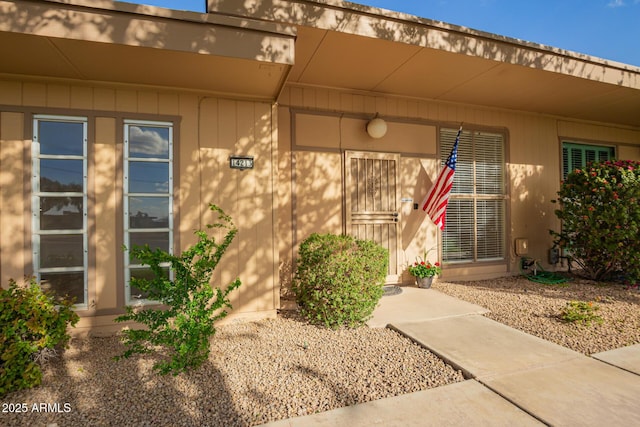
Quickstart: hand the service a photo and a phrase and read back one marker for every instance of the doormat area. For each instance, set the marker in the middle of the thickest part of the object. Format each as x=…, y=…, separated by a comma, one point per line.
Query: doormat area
x=390, y=290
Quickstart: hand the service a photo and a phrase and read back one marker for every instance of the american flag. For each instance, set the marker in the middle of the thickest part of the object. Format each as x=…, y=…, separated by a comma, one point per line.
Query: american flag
x=435, y=203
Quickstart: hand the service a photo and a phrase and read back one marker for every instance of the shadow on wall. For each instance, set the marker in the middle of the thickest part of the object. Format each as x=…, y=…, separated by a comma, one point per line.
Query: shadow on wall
x=415, y=219
x=14, y=149
x=316, y=203
x=239, y=128
x=531, y=195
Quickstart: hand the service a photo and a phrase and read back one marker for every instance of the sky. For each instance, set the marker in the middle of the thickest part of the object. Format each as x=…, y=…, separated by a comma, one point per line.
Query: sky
x=608, y=29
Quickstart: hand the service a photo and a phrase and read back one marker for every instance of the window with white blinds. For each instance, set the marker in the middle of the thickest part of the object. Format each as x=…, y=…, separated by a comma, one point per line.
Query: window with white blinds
x=577, y=156
x=475, y=223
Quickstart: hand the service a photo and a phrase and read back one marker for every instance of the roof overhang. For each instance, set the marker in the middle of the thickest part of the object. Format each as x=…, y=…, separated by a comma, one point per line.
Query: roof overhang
x=105, y=41
x=355, y=47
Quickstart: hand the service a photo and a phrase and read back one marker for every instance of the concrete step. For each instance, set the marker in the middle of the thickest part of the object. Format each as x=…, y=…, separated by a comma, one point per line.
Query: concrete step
x=417, y=305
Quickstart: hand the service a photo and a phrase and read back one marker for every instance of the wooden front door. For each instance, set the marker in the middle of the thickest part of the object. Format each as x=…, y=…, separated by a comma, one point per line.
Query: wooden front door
x=372, y=202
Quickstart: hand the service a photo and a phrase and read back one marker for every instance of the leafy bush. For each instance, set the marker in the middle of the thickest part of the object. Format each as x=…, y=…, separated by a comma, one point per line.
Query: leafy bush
x=185, y=326
x=600, y=213
x=339, y=279
x=33, y=323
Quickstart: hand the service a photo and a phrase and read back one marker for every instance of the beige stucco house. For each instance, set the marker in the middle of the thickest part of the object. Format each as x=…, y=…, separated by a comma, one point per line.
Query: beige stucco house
x=120, y=123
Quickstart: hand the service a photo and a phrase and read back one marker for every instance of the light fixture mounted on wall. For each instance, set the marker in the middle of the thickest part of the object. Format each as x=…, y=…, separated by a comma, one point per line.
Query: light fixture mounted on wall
x=376, y=128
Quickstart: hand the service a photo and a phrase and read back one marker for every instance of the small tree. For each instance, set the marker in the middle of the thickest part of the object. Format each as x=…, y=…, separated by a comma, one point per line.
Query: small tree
x=186, y=325
x=339, y=279
x=600, y=214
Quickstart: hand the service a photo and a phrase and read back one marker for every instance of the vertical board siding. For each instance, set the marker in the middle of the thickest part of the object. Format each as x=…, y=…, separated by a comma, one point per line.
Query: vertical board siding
x=104, y=99
x=13, y=204
x=532, y=158
x=207, y=129
x=10, y=92
x=107, y=196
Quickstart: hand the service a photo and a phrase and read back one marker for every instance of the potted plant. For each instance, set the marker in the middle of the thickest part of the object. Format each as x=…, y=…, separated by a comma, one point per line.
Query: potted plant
x=424, y=271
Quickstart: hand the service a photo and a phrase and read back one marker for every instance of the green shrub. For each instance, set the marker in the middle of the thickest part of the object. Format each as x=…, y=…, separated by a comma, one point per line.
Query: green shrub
x=33, y=323
x=600, y=213
x=581, y=312
x=183, y=328
x=339, y=279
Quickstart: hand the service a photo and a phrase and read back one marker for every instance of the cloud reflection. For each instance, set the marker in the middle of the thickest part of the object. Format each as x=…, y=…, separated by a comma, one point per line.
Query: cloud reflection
x=149, y=141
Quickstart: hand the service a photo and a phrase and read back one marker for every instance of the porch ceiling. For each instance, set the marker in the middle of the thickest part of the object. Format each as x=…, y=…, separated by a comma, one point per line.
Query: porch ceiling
x=144, y=46
x=543, y=82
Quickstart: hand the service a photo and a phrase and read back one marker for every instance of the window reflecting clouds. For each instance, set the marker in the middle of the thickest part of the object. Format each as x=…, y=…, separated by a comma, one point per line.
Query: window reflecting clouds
x=149, y=142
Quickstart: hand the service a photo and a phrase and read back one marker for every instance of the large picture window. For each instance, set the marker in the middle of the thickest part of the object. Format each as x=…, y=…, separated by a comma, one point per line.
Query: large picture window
x=475, y=222
x=148, y=196
x=59, y=205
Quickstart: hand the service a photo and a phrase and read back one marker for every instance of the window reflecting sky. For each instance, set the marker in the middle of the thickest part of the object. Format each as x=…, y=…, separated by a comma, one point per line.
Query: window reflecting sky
x=149, y=142
x=147, y=177
x=61, y=138
x=149, y=212
x=60, y=175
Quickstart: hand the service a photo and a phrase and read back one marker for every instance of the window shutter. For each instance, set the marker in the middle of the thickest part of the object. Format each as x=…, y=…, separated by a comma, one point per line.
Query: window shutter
x=577, y=156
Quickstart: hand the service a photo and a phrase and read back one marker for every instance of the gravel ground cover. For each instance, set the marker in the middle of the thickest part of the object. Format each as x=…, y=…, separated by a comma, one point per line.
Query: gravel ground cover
x=281, y=368
x=535, y=308
x=257, y=372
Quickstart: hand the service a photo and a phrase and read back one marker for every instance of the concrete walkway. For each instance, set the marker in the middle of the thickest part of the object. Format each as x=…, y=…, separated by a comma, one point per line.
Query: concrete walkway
x=515, y=379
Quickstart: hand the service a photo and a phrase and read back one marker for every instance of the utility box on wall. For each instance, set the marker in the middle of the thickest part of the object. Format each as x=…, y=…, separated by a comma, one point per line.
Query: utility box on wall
x=522, y=246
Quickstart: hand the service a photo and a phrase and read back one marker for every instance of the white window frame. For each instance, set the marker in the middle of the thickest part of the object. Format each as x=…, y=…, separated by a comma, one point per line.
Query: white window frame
x=36, y=156
x=474, y=196
x=128, y=266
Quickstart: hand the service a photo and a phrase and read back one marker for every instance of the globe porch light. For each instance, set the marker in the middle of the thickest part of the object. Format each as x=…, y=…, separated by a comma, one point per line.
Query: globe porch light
x=376, y=128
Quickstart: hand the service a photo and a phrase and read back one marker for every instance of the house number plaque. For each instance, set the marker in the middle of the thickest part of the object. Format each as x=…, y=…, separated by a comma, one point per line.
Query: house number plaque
x=241, y=162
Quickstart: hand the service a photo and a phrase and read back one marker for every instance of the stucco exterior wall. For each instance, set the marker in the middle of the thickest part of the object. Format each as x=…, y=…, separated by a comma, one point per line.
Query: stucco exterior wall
x=322, y=123
x=207, y=130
